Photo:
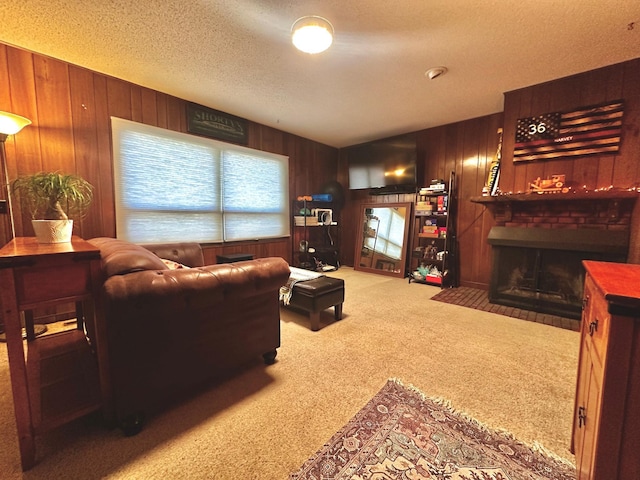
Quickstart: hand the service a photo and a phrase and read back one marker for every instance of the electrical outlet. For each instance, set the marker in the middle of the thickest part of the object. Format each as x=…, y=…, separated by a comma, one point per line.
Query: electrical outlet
x=4, y=209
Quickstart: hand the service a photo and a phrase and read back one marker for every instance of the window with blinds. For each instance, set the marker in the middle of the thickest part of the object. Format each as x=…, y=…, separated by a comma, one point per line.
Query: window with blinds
x=172, y=187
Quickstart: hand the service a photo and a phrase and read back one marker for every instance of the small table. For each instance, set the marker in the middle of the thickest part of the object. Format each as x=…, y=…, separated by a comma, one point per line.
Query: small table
x=58, y=381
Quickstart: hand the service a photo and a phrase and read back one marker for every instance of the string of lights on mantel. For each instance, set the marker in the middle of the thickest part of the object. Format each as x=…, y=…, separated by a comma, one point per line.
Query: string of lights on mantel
x=571, y=190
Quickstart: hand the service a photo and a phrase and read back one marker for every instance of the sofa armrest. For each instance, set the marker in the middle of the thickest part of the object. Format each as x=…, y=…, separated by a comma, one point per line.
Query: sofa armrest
x=120, y=257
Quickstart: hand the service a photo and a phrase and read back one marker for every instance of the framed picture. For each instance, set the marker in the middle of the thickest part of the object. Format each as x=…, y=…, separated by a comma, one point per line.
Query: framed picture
x=590, y=130
x=215, y=124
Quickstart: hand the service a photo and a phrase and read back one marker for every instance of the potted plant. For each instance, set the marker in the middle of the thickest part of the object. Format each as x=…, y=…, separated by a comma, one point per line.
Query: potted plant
x=53, y=199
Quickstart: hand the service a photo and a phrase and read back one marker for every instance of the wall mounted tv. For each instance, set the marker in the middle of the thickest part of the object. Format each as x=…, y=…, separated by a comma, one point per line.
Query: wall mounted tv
x=384, y=166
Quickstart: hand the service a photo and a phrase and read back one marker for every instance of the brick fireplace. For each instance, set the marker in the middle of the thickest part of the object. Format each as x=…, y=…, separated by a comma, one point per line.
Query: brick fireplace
x=539, y=242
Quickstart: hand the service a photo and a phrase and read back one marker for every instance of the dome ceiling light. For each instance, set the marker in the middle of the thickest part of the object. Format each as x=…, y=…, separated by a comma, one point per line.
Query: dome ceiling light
x=312, y=34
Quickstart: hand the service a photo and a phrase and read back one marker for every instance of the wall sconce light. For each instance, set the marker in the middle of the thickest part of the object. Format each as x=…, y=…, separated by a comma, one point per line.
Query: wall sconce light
x=312, y=34
x=10, y=124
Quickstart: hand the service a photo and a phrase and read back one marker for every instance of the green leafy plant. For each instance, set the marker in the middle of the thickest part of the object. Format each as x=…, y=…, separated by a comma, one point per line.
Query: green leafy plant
x=54, y=195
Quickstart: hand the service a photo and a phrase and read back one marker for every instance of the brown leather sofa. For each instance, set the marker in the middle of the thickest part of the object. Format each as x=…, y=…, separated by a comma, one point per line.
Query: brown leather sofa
x=171, y=331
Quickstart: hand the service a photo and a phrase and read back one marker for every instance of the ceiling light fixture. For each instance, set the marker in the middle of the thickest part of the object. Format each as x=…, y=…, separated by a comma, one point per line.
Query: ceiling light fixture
x=435, y=72
x=312, y=34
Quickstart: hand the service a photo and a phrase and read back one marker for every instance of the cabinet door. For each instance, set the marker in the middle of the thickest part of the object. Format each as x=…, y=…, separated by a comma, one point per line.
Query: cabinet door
x=587, y=413
x=594, y=339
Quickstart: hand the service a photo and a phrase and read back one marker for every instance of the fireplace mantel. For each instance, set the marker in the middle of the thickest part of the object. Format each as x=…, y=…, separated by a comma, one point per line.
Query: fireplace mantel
x=599, y=241
x=502, y=205
x=557, y=197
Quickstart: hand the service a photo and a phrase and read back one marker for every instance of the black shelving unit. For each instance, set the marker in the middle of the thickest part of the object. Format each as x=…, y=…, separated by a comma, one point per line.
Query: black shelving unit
x=433, y=249
x=315, y=235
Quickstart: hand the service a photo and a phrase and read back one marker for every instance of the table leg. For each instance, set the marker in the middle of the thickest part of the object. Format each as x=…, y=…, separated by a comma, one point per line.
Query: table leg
x=315, y=320
x=18, y=370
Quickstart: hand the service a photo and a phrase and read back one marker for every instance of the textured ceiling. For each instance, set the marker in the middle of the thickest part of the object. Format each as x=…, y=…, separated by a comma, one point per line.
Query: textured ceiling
x=236, y=55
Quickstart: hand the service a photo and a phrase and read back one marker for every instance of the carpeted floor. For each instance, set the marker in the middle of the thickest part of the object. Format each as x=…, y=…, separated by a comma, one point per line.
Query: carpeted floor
x=265, y=422
x=479, y=299
x=402, y=434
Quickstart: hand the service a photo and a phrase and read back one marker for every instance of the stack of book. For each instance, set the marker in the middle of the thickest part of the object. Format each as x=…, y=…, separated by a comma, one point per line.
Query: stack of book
x=311, y=221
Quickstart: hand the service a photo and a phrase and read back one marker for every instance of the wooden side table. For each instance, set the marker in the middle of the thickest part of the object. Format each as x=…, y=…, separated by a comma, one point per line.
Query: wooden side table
x=58, y=379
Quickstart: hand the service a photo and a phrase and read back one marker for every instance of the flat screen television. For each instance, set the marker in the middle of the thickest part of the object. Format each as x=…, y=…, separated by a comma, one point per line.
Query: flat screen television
x=383, y=166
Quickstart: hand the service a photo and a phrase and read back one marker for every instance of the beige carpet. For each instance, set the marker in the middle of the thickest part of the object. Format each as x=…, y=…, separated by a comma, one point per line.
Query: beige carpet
x=266, y=421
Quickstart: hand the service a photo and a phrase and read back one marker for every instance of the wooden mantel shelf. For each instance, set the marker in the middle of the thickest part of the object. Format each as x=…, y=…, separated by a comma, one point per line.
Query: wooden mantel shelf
x=613, y=197
x=557, y=197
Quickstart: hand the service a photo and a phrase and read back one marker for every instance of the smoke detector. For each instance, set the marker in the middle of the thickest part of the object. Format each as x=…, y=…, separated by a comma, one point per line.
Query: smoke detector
x=435, y=72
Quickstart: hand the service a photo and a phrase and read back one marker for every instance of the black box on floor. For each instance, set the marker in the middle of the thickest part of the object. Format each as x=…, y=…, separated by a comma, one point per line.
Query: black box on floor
x=233, y=257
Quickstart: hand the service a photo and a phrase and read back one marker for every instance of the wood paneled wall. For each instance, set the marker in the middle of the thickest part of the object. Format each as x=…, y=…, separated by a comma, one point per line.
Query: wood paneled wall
x=468, y=147
x=70, y=108
x=621, y=170
x=465, y=148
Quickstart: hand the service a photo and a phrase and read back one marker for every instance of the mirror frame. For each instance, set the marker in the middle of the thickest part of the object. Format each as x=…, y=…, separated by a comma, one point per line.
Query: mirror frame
x=360, y=234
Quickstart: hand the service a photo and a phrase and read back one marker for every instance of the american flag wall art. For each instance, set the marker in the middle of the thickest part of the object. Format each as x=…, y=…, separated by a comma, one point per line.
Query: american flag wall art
x=588, y=131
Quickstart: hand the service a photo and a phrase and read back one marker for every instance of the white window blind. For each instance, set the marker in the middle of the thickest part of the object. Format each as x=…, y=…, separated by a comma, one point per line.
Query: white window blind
x=170, y=186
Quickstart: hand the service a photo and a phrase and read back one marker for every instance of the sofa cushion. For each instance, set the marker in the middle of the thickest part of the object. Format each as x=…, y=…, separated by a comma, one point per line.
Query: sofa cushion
x=186, y=253
x=173, y=265
x=120, y=257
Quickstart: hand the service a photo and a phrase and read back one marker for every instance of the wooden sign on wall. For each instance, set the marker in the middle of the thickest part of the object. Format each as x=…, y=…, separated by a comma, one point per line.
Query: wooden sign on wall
x=587, y=131
x=212, y=123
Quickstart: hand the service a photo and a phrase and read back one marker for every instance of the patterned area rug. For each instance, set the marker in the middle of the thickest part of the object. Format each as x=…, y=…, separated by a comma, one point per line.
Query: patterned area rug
x=401, y=434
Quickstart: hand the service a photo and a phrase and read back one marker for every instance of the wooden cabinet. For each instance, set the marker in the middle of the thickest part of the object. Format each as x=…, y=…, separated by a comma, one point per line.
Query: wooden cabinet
x=606, y=425
x=433, y=249
x=57, y=380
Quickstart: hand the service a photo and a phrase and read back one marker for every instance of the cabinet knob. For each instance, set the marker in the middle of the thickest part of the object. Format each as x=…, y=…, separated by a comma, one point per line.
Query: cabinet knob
x=593, y=327
x=582, y=417
x=585, y=302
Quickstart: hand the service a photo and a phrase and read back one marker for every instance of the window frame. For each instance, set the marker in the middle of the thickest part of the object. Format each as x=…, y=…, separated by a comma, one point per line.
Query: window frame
x=277, y=225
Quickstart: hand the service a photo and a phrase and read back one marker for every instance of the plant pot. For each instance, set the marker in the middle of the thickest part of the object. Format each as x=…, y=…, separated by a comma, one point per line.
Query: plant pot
x=52, y=231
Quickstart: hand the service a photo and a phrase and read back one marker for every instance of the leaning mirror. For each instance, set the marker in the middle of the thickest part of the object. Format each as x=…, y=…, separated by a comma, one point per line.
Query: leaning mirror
x=381, y=243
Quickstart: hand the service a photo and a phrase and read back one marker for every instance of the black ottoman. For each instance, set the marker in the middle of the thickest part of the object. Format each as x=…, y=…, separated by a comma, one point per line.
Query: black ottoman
x=316, y=295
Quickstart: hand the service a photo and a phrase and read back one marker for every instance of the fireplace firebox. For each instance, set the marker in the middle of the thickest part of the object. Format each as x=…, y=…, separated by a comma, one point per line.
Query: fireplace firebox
x=540, y=269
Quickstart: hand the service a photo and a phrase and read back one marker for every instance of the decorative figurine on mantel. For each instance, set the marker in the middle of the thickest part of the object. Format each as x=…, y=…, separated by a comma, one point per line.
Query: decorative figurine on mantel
x=554, y=184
